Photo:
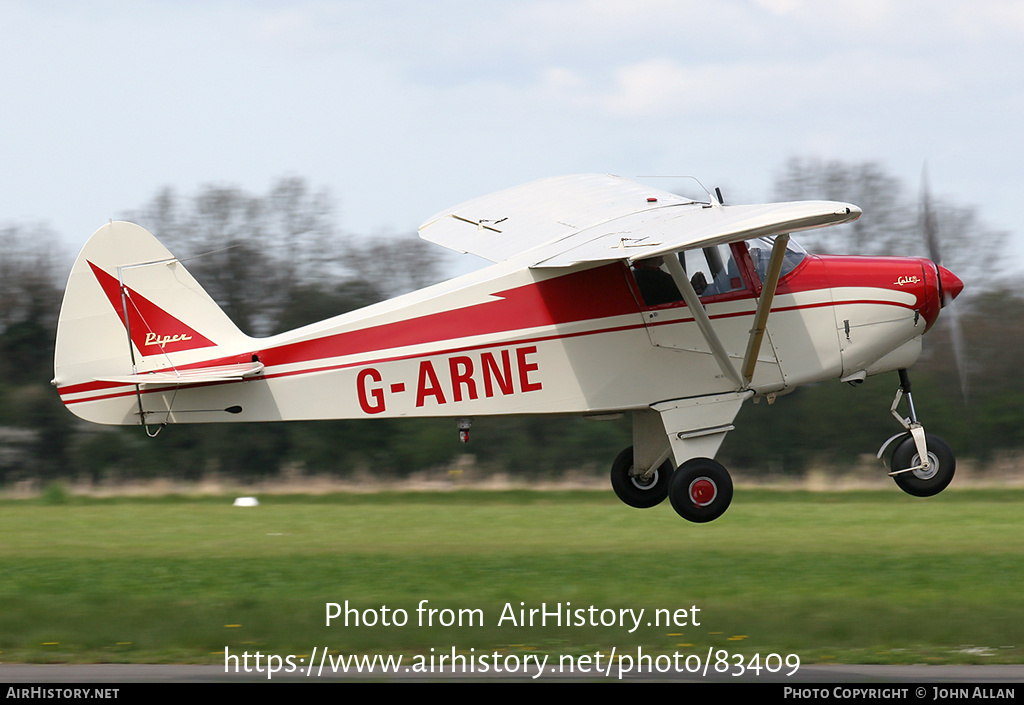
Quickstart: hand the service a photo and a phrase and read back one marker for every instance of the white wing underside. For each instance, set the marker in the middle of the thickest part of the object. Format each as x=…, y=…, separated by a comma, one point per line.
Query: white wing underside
x=188, y=377
x=564, y=220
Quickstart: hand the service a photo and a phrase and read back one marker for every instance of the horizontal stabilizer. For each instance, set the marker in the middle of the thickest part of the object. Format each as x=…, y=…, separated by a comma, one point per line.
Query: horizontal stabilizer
x=184, y=378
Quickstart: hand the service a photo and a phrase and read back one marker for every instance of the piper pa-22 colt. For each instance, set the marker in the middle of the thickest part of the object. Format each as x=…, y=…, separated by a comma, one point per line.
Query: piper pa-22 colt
x=605, y=297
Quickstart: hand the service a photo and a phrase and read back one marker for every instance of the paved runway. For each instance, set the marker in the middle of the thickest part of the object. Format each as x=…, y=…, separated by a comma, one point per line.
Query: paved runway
x=833, y=674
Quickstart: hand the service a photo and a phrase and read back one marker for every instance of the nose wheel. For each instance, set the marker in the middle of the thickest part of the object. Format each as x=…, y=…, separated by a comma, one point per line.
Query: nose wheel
x=917, y=478
x=922, y=465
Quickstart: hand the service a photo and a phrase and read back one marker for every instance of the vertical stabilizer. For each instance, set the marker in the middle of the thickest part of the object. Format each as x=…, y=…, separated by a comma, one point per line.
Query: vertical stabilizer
x=130, y=308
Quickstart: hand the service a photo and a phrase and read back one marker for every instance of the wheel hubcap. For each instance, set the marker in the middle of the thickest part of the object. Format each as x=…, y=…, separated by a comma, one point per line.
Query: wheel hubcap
x=933, y=467
x=703, y=491
x=644, y=484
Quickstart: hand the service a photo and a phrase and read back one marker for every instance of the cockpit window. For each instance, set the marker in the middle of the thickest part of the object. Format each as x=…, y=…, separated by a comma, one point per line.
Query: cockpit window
x=761, y=253
x=711, y=270
x=655, y=283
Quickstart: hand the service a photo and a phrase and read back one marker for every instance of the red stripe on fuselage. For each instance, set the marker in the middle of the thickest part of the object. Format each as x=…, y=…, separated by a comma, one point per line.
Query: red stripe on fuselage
x=596, y=293
x=600, y=292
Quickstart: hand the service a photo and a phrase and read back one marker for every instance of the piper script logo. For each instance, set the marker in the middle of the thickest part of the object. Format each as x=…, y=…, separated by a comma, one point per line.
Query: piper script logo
x=162, y=340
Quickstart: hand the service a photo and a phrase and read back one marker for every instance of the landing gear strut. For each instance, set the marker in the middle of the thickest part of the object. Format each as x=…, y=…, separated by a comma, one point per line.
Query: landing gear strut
x=922, y=464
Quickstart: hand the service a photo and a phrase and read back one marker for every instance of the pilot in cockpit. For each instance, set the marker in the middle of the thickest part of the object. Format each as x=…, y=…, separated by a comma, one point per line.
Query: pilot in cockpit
x=657, y=286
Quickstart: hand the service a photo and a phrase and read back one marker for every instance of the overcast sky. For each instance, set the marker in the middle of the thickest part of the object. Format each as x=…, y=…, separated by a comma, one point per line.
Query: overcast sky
x=403, y=108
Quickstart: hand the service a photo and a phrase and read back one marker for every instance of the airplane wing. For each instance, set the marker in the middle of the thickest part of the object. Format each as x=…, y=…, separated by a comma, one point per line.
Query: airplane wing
x=564, y=220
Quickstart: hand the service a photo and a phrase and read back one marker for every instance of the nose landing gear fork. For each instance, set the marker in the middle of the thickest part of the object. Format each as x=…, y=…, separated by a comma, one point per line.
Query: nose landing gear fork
x=910, y=423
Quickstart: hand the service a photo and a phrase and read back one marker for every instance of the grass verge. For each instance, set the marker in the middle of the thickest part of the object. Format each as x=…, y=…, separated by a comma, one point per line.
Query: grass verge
x=855, y=577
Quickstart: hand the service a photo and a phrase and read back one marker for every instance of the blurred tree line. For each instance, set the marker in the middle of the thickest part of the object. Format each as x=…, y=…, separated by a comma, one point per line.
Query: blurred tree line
x=276, y=261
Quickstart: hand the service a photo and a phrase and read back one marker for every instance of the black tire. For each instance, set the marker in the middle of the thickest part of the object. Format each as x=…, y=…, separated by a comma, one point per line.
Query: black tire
x=701, y=490
x=923, y=483
x=634, y=492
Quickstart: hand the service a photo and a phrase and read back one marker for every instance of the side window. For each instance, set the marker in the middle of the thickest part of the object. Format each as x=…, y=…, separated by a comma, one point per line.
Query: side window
x=654, y=282
x=712, y=271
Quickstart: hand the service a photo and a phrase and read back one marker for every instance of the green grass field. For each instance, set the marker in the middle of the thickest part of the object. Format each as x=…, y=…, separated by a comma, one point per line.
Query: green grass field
x=856, y=577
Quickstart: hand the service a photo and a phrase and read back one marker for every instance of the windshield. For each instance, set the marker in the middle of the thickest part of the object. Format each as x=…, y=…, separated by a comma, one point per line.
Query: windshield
x=761, y=252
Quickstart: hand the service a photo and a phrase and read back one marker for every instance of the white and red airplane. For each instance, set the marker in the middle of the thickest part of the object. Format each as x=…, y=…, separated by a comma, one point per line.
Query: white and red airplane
x=605, y=297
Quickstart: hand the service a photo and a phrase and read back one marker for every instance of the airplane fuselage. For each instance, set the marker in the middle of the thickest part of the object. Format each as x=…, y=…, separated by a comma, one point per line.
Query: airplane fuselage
x=575, y=340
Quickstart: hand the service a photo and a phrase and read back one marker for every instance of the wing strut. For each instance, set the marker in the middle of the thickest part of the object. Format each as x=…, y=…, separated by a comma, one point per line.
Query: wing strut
x=703, y=322
x=764, y=306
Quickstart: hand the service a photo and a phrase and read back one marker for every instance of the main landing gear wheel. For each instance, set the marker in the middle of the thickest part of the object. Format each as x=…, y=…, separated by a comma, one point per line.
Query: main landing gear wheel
x=634, y=490
x=923, y=482
x=700, y=490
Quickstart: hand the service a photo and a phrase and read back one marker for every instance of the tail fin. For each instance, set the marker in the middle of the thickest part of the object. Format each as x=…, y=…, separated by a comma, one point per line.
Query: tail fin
x=131, y=313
